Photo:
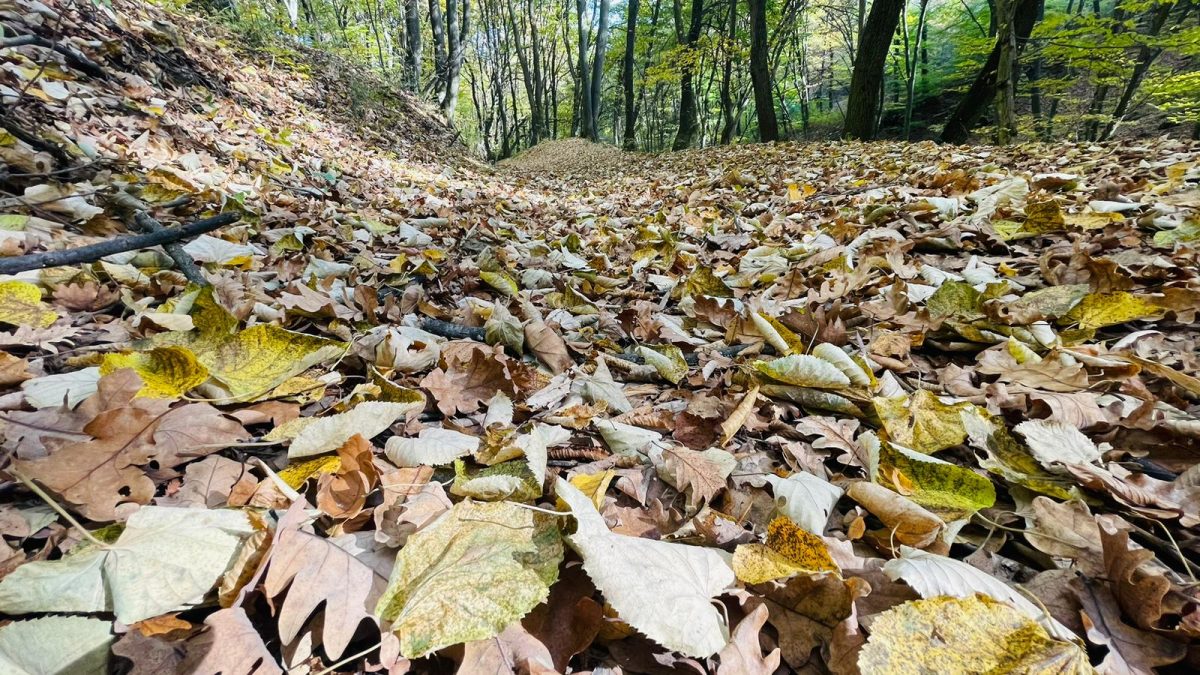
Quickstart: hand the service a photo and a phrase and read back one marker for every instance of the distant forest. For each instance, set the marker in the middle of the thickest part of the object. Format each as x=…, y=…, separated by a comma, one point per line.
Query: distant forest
x=660, y=74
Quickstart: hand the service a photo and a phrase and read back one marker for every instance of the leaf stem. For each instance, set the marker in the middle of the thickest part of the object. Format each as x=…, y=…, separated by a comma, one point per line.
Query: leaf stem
x=350, y=658
x=55, y=505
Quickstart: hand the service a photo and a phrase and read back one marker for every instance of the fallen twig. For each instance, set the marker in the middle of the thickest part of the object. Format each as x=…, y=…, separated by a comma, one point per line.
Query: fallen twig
x=83, y=254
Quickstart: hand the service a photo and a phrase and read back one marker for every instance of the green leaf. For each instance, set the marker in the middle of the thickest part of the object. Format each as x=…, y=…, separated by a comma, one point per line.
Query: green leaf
x=469, y=574
x=802, y=370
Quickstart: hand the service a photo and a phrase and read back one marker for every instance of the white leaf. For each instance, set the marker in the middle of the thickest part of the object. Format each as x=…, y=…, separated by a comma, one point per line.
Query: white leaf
x=803, y=370
x=51, y=390
x=499, y=411
x=329, y=433
x=931, y=575
x=662, y=589
x=1053, y=442
x=599, y=386
x=806, y=499
x=841, y=361
x=165, y=559
x=536, y=445
x=70, y=645
x=432, y=446
x=769, y=333
x=625, y=439
x=209, y=249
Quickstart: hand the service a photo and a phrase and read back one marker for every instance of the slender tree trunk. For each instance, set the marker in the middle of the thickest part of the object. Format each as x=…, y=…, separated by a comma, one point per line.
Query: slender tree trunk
x=631, y=18
x=688, y=124
x=866, y=81
x=437, y=26
x=727, y=113
x=598, y=68
x=458, y=39
x=586, y=114
x=983, y=89
x=1145, y=58
x=412, y=38
x=911, y=75
x=760, y=73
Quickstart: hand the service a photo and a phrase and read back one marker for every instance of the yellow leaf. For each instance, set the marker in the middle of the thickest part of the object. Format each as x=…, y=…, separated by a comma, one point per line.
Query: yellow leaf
x=295, y=473
x=789, y=551
x=166, y=372
x=949, y=490
x=246, y=365
x=1098, y=310
x=500, y=281
x=593, y=486
x=21, y=305
x=702, y=281
x=974, y=635
x=921, y=421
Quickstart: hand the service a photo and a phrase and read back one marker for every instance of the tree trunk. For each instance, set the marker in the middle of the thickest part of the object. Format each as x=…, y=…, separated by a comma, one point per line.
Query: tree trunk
x=598, y=68
x=631, y=18
x=918, y=50
x=729, y=124
x=437, y=26
x=1006, y=74
x=983, y=89
x=760, y=73
x=586, y=114
x=1146, y=57
x=412, y=51
x=866, y=80
x=457, y=35
x=688, y=125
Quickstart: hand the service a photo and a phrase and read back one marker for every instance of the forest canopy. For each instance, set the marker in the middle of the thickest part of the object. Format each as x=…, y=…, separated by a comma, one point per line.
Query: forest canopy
x=660, y=74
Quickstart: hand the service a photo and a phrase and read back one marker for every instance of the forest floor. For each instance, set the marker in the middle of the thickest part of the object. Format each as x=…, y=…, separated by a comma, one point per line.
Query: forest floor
x=751, y=409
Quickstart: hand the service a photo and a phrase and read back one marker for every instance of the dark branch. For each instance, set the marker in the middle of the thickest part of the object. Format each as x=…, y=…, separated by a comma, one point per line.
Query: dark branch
x=84, y=254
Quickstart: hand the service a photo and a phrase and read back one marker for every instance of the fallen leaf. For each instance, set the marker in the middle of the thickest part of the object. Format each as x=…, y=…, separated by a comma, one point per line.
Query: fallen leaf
x=56, y=644
x=469, y=574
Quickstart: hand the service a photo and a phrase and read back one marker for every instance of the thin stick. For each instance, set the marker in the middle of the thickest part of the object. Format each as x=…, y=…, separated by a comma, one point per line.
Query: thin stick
x=74, y=256
x=54, y=505
x=350, y=658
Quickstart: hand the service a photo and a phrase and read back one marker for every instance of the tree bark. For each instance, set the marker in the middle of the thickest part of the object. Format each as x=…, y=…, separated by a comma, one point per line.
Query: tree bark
x=760, y=73
x=1006, y=74
x=631, y=18
x=586, y=115
x=437, y=26
x=412, y=51
x=866, y=80
x=688, y=125
x=983, y=89
x=457, y=37
x=598, y=68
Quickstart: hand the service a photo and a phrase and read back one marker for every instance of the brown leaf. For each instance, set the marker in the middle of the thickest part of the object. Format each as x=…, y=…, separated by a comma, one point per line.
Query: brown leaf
x=99, y=475
x=231, y=644
x=743, y=655
x=835, y=434
x=701, y=474
x=512, y=651
x=1066, y=530
x=149, y=655
x=1130, y=651
x=548, y=346
x=344, y=493
x=210, y=482
x=569, y=620
x=13, y=370
x=473, y=374
x=905, y=521
x=314, y=570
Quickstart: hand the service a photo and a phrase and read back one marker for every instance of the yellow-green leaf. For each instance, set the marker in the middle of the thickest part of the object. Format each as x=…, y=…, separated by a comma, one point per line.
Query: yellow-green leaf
x=921, y=421
x=469, y=574
x=501, y=281
x=803, y=370
x=21, y=305
x=1097, y=310
x=667, y=360
x=166, y=372
x=947, y=489
x=974, y=635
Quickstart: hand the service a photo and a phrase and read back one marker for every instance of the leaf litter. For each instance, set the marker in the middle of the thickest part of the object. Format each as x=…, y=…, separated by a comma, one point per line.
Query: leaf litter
x=736, y=410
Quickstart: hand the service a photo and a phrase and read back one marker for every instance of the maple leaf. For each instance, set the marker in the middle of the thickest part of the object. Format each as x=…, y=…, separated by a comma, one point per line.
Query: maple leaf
x=315, y=571
x=472, y=376
x=100, y=475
